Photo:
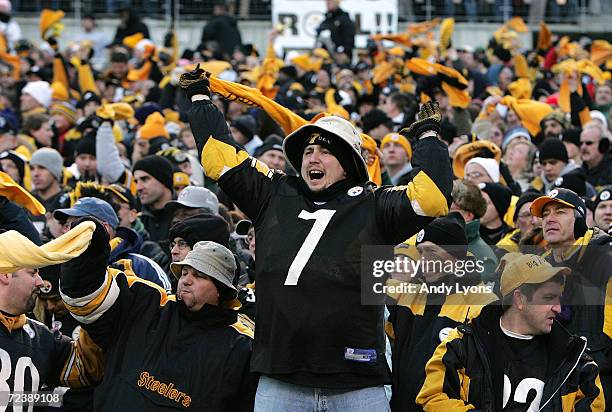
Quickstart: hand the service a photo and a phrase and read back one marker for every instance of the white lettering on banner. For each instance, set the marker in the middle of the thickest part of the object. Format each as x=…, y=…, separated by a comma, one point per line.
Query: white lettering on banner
x=302, y=18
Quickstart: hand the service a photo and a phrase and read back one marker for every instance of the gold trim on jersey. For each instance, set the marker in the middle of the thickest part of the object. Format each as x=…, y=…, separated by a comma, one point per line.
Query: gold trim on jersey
x=88, y=309
x=425, y=196
x=85, y=364
x=245, y=326
x=218, y=157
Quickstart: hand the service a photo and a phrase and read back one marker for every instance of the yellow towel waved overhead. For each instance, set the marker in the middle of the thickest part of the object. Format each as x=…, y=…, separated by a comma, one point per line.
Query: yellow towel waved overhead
x=601, y=52
x=288, y=120
x=50, y=23
x=446, y=34
x=405, y=39
x=15, y=193
x=531, y=112
x=517, y=24
x=423, y=27
x=544, y=37
x=18, y=252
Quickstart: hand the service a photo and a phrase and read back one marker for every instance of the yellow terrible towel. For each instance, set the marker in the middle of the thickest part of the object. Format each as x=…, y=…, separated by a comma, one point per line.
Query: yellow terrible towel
x=18, y=252
x=15, y=193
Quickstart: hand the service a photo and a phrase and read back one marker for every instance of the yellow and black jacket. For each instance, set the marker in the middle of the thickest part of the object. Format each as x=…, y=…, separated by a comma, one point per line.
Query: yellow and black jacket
x=312, y=329
x=467, y=372
x=587, y=299
x=158, y=354
x=420, y=321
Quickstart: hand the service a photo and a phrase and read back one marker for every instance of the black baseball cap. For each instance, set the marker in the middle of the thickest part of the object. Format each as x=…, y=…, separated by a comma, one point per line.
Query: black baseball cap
x=88, y=97
x=565, y=197
x=6, y=126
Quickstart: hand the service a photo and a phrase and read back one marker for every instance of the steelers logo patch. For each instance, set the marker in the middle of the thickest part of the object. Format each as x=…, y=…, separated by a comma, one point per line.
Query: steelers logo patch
x=605, y=195
x=46, y=287
x=444, y=333
x=420, y=235
x=559, y=181
x=355, y=191
x=553, y=193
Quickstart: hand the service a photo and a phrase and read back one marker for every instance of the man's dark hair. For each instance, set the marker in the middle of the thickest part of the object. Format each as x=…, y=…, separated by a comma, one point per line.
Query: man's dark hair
x=34, y=122
x=529, y=289
x=119, y=57
x=402, y=100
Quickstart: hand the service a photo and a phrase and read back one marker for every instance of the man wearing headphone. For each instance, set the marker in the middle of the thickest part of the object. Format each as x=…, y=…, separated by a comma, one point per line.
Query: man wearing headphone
x=594, y=151
x=588, y=254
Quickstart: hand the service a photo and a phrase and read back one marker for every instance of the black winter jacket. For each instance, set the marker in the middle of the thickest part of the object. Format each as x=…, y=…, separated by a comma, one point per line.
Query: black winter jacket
x=158, y=355
x=465, y=372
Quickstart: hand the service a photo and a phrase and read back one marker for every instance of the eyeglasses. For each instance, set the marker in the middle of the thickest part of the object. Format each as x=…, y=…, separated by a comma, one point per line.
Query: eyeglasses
x=181, y=244
x=586, y=143
x=473, y=175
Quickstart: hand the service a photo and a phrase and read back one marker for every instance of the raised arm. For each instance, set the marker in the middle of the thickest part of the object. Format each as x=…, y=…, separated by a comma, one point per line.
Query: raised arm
x=404, y=210
x=246, y=180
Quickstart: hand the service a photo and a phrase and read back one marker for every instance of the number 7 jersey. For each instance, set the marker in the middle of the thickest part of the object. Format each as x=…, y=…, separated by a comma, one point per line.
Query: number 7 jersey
x=311, y=327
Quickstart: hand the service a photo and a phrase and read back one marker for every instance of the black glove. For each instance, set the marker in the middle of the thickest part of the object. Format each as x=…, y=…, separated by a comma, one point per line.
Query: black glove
x=82, y=275
x=53, y=43
x=195, y=82
x=92, y=122
x=99, y=240
x=428, y=119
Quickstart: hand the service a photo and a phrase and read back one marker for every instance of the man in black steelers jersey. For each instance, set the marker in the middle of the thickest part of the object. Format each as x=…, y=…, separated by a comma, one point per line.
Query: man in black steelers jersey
x=315, y=344
x=33, y=359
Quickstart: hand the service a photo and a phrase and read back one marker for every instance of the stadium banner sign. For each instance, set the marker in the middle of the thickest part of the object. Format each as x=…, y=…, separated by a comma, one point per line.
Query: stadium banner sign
x=302, y=17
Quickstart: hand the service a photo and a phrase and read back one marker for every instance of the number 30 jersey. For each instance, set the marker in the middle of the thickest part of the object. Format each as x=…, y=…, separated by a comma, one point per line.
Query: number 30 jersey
x=311, y=327
x=32, y=357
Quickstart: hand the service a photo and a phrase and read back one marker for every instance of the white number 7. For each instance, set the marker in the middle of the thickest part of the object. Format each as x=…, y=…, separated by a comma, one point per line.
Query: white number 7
x=322, y=218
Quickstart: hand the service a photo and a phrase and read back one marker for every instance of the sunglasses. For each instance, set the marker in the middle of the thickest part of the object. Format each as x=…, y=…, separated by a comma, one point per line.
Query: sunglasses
x=586, y=143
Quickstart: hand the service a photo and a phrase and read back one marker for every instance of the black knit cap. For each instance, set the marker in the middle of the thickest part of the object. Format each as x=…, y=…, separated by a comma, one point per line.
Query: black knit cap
x=500, y=196
x=267, y=146
x=574, y=181
x=553, y=148
x=204, y=226
x=247, y=125
x=158, y=167
x=525, y=198
x=87, y=98
x=604, y=195
x=373, y=119
x=86, y=145
x=447, y=231
x=50, y=276
x=572, y=136
x=17, y=159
